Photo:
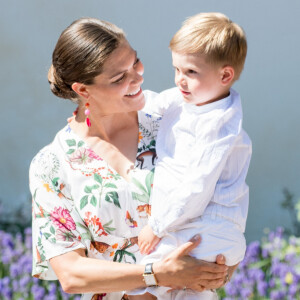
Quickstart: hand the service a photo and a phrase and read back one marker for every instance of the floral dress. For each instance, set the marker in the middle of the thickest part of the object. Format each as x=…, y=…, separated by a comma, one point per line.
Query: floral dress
x=80, y=201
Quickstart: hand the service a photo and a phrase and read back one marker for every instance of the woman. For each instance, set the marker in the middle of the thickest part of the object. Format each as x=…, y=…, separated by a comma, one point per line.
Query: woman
x=91, y=185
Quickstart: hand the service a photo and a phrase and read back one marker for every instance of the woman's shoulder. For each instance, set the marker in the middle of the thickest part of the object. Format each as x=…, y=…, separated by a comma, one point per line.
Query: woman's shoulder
x=48, y=158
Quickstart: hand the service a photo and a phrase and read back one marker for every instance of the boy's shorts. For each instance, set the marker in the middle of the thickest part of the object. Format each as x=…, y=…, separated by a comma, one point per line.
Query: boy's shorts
x=218, y=236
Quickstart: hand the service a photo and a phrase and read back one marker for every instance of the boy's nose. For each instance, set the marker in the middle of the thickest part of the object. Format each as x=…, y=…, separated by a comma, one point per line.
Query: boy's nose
x=180, y=80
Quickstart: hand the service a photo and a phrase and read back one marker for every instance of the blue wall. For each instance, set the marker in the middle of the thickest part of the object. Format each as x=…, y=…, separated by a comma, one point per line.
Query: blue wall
x=30, y=115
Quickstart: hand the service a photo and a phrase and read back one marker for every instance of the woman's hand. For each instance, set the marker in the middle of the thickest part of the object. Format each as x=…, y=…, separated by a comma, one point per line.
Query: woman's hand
x=147, y=240
x=179, y=270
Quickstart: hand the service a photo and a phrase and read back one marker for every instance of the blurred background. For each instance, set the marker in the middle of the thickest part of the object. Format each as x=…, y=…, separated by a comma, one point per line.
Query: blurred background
x=31, y=115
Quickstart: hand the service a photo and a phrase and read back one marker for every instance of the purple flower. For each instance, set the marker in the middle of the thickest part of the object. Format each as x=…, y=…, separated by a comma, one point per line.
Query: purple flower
x=5, y=281
x=7, y=241
x=7, y=292
x=52, y=289
x=277, y=295
x=245, y=293
x=231, y=289
x=293, y=289
x=15, y=269
x=15, y=285
x=262, y=288
x=38, y=292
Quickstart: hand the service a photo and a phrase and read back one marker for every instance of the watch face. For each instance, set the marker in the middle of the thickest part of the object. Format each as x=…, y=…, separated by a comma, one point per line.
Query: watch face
x=150, y=279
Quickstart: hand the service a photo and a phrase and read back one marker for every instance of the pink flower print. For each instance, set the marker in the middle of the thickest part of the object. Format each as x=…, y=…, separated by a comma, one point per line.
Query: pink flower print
x=81, y=157
x=93, y=155
x=64, y=235
x=62, y=219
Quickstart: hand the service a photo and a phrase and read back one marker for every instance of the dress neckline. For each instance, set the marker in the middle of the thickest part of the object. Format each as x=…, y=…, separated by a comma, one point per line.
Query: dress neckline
x=87, y=147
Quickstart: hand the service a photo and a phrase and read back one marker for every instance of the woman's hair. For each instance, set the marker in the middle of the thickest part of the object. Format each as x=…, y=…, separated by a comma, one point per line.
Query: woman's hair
x=216, y=37
x=80, y=53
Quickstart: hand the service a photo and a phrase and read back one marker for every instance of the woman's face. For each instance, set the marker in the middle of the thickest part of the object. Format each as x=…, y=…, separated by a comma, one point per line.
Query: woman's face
x=118, y=88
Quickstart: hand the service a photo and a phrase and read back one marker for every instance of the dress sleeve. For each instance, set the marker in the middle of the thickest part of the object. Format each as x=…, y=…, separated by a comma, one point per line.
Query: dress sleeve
x=207, y=161
x=56, y=225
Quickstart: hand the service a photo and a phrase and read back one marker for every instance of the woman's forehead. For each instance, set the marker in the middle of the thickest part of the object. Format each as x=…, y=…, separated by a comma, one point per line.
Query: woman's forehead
x=120, y=60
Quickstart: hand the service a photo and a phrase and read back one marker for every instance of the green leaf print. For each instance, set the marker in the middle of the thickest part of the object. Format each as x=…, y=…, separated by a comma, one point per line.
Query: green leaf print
x=107, y=199
x=111, y=185
x=153, y=143
x=98, y=178
x=84, y=201
x=53, y=240
x=144, y=196
x=55, y=181
x=70, y=151
x=80, y=143
x=88, y=189
x=94, y=201
x=86, y=237
x=71, y=143
x=149, y=181
x=107, y=228
x=46, y=235
x=139, y=185
x=114, y=197
x=52, y=230
x=140, y=197
x=34, y=194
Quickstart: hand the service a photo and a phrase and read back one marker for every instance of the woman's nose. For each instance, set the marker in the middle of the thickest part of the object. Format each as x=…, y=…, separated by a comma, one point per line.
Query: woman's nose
x=139, y=71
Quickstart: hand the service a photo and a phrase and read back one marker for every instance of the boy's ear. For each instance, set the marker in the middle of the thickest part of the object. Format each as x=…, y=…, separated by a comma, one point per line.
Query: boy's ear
x=80, y=89
x=227, y=74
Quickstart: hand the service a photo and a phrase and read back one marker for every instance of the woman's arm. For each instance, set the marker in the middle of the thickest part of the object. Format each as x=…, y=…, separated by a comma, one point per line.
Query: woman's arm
x=80, y=274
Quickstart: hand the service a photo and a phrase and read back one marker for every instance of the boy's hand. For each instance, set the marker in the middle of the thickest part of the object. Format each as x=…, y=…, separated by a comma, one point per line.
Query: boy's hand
x=147, y=240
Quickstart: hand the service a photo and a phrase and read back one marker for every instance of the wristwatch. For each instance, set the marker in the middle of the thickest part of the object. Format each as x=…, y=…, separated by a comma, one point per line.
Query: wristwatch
x=149, y=276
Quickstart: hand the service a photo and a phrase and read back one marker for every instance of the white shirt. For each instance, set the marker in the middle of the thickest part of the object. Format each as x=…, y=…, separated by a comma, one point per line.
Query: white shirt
x=203, y=159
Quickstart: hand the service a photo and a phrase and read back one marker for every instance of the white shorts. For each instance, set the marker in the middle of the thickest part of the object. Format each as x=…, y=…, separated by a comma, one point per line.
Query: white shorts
x=218, y=236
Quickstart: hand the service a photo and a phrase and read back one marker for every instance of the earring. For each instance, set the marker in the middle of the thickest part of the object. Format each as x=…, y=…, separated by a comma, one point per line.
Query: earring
x=87, y=113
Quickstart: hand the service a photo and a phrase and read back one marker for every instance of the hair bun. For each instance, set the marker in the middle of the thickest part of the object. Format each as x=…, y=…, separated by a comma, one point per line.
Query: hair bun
x=58, y=87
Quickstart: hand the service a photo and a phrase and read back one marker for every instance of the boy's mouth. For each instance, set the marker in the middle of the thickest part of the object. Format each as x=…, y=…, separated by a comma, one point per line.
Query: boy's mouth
x=185, y=93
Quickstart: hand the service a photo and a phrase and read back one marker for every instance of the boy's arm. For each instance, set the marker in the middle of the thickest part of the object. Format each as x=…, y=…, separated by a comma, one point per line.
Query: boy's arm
x=159, y=103
x=191, y=197
x=147, y=240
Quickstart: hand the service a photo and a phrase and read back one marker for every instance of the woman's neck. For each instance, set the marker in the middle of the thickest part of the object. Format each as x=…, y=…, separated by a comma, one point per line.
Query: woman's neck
x=104, y=127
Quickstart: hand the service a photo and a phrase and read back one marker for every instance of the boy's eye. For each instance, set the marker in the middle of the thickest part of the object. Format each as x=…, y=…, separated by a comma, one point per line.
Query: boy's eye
x=192, y=72
x=137, y=61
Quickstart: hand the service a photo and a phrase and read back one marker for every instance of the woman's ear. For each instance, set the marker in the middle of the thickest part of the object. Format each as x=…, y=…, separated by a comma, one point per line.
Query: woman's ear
x=227, y=74
x=80, y=89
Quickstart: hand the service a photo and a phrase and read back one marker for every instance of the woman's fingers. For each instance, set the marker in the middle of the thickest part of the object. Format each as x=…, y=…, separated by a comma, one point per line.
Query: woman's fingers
x=186, y=248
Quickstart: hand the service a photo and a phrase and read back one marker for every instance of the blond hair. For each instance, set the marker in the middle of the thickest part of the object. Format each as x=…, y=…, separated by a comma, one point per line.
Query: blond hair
x=80, y=52
x=214, y=35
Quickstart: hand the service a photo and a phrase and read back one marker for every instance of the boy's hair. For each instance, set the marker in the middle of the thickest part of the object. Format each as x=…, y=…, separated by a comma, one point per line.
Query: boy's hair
x=216, y=37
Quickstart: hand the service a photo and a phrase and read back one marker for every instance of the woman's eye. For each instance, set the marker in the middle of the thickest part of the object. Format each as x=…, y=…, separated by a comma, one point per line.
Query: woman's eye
x=120, y=79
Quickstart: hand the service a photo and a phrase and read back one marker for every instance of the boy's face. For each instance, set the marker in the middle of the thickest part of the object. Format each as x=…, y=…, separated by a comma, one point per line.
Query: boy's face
x=199, y=82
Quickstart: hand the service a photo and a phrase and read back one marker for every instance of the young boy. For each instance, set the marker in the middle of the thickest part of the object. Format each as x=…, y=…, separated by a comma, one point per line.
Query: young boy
x=203, y=152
